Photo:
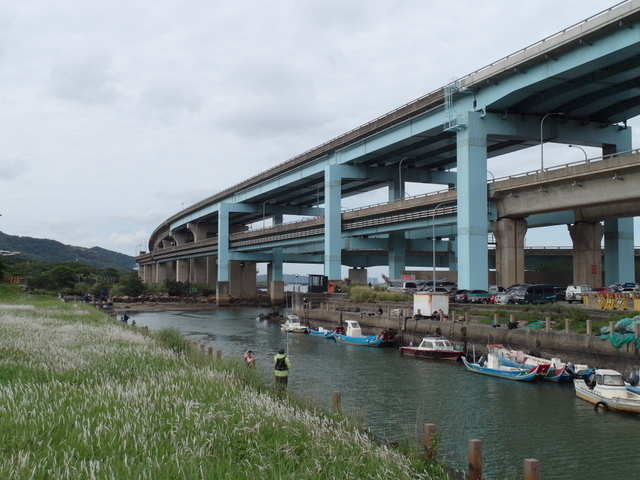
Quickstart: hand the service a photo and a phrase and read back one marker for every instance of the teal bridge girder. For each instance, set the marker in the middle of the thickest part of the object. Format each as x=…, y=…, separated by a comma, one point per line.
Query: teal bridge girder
x=576, y=87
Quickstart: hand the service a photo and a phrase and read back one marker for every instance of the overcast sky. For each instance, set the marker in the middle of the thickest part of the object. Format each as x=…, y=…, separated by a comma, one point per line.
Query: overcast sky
x=117, y=114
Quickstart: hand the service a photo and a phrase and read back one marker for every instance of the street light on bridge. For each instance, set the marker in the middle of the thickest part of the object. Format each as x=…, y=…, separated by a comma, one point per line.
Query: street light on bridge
x=583, y=151
x=264, y=204
x=542, y=137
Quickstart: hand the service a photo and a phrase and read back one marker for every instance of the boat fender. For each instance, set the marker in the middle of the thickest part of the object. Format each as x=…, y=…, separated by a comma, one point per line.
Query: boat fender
x=604, y=406
x=438, y=331
x=463, y=331
x=569, y=369
x=482, y=361
x=591, y=381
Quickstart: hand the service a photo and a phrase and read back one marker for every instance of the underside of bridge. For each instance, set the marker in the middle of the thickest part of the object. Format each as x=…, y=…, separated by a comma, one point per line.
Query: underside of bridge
x=578, y=87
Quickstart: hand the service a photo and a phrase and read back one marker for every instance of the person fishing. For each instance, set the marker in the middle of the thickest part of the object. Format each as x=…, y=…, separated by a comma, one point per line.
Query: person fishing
x=282, y=366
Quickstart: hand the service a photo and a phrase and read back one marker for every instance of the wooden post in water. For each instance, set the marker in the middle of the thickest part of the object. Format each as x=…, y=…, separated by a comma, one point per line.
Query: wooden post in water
x=547, y=321
x=429, y=440
x=336, y=402
x=589, y=329
x=475, y=459
x=531, y=469
x=567, y=325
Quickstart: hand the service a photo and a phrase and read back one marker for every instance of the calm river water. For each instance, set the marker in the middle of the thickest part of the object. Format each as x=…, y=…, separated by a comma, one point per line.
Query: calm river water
x=395, y=396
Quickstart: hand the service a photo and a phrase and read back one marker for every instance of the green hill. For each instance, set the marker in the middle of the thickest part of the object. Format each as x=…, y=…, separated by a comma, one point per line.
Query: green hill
x=43, y=250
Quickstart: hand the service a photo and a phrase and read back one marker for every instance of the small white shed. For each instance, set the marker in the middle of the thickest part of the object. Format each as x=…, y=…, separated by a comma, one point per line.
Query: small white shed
x=427, y=303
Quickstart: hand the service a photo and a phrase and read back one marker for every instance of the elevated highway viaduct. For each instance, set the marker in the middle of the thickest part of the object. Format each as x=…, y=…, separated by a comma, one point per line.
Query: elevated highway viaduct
x=579, y=86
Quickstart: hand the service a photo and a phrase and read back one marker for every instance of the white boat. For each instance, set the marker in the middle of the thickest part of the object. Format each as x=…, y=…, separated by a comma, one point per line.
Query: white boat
x=433, y=347
x=292, y=325
x=606, y=389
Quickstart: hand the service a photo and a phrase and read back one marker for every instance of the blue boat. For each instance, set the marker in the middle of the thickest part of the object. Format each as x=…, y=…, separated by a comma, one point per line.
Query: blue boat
x=354, y=336
x=324, y=332
x=494, y=368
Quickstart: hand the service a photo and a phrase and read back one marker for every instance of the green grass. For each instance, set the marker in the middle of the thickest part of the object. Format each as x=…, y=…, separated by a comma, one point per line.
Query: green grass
x=85, y=396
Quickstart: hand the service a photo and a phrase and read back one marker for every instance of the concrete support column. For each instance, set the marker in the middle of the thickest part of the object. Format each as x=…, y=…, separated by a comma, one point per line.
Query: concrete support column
x=619, y=255
x=358, y=275
x=222, y=290
x=619, y=261
x=242, y=278
x=161, y=273
x=587, y=254
x=182, y=270
x=212, y=270
x=275, y=278
x=333, y=222
x=397, y=254
x=473, y=263
x=199, y=270
x=509, y=234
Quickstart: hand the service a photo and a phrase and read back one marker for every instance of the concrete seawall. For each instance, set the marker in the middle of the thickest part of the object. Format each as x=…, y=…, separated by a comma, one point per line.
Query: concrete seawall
x=577, y=348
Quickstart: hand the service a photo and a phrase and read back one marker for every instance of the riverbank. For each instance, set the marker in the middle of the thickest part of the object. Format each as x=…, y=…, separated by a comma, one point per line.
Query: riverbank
x=85, y=396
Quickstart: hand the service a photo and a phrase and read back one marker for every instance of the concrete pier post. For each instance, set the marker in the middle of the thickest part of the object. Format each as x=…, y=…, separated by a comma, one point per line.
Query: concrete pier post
x=587, y=253
x=509, y=234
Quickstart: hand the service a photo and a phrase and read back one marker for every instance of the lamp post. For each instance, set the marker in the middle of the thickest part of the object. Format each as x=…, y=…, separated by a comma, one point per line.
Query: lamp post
x=433, y=244
x=402, y=192
x=264, y=204
x=583, y=151
x=542, y=137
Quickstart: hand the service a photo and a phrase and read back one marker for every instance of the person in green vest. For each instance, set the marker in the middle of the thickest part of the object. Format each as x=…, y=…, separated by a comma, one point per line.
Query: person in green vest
x=282, y=366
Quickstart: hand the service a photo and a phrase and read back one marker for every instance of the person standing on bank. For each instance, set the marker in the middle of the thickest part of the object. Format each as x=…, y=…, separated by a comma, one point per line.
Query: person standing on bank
x=282, y=365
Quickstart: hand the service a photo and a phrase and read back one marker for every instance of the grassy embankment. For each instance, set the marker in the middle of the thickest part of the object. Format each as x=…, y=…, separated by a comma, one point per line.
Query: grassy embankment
x=84, y=396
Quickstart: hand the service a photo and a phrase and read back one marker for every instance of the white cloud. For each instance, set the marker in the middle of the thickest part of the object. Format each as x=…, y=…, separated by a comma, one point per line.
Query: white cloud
x=117, y=114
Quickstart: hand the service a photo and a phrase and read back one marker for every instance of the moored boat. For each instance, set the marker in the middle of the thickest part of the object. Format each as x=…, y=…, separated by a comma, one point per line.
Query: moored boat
x=292, y=325
x=353, y=336
x=606, y=389
x=492, y=367
x=517, y=358
x=324, y=332
x=433, y=347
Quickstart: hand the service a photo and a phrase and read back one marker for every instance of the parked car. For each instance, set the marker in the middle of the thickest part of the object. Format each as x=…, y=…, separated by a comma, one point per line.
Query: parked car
x=480, y=296
x=535, y=294
x=452, y=295
x=403, y=287
x=506, y=297
x=464, y=296
x=441, y=290
x=576, y=292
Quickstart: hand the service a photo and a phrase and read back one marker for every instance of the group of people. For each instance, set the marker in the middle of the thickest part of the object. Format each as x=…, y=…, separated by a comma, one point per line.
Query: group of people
x=281, y=363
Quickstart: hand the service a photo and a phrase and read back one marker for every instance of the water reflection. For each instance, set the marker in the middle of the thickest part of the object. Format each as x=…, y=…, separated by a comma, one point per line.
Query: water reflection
x=396, y=395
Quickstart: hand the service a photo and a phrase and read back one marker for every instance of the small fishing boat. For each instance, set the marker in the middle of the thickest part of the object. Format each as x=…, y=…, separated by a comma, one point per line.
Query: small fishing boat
x=353, y=336
x=517, y=358
x=292, y=325
x=492, y=366
x=558, y=371
x=606, y=389
x=433, y=347
x=324, y=332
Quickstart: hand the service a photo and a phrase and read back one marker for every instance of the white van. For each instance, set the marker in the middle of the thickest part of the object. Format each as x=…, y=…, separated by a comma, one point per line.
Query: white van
x=576, y=292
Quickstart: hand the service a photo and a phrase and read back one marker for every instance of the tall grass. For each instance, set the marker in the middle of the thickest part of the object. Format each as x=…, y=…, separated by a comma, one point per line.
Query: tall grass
x=83, y=396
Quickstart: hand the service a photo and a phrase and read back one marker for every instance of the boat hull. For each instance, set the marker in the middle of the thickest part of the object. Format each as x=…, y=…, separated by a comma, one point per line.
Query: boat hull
x=515, y=374
x=321, y=333
x=622, y=400
x=366, y=340
x=428, y=353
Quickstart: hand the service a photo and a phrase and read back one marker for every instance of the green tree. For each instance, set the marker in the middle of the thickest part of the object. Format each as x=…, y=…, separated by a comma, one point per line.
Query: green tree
x=131, y=285
x=3, y=268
